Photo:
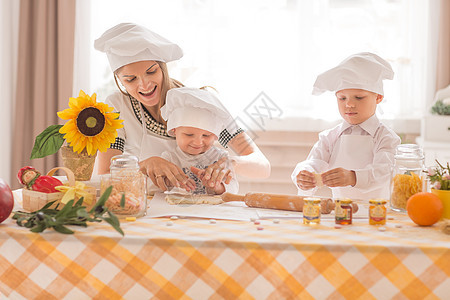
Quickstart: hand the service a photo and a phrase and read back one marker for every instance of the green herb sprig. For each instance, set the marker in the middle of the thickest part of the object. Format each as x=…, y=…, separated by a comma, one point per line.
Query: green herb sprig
x=71, y=214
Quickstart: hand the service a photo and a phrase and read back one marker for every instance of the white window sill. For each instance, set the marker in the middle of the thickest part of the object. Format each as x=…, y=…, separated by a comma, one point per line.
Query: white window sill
x=307, y=124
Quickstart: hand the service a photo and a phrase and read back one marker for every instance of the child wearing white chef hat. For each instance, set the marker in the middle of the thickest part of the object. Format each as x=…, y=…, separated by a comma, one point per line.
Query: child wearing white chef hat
x=138, y=58
x=354, y=158
x=196, y=117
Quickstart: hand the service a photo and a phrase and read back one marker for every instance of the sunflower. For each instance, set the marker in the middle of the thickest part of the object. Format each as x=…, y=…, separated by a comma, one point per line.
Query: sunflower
x=92, y=125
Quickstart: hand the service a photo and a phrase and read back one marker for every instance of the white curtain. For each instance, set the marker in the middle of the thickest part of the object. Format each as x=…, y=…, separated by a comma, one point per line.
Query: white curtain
x=9, y=30
x=81, y=70
x=244, y=48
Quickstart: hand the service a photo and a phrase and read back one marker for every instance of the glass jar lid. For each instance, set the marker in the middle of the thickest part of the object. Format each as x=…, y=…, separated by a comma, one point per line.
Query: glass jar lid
x=124, y=162
x=377, y=201
x=409, y=151
x=344, y=200
x=313, y=200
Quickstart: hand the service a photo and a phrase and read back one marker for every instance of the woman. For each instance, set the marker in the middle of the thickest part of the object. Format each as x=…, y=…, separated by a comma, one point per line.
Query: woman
x=138, y=59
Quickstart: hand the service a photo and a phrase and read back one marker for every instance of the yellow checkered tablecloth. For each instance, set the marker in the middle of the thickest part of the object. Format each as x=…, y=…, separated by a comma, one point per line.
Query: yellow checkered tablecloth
x=199, y=259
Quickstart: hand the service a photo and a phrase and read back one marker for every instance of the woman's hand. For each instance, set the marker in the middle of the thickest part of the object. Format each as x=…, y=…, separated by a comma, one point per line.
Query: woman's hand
x=214, y=175
x=162, y=171
x=306, y=180
x=339, y=177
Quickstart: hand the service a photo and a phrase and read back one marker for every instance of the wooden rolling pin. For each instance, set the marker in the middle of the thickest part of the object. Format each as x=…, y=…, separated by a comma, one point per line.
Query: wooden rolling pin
x=274, y=201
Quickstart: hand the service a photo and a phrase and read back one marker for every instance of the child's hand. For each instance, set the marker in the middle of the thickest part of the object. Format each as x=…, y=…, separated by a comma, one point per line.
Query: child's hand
x=214, y=182
x=339, y=177
x=306, y=180
x=189, y=185
x=215, y=173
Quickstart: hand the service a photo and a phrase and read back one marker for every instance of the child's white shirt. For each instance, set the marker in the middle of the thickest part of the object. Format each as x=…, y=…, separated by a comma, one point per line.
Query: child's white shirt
x=372, y=180
x=202, y=161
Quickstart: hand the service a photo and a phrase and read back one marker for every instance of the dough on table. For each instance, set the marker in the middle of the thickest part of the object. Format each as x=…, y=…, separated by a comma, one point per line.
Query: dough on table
x=193, y=199
x=318, y=177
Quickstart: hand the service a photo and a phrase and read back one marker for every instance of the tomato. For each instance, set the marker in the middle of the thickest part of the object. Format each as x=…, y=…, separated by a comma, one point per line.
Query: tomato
x=6, y=200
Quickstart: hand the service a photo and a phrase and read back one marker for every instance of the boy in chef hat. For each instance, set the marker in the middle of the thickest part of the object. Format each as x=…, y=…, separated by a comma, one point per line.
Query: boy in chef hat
x=196, y=117
x=354, y=158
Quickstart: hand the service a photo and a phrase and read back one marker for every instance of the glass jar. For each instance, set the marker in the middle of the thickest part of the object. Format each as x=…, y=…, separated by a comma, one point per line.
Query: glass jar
x=343, y=211
x=377, y=212
x=407, y=175
x=311, y=210
x=127, y=182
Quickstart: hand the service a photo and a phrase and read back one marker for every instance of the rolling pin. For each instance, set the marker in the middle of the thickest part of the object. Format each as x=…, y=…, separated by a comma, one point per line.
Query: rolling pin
x=274, y=201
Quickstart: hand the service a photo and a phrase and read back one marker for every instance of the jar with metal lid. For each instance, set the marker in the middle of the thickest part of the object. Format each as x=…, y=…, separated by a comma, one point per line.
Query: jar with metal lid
x=129, y=194
x=343, y=211
x=407, y=175
x=377, y=212
x=311, y=210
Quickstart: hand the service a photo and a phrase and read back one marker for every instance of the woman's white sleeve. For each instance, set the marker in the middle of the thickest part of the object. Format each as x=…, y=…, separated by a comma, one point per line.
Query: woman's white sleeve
x=254, y=165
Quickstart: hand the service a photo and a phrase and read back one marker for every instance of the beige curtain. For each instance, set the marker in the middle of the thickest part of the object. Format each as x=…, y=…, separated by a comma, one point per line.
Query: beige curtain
x=44, y=76
x=443, y=58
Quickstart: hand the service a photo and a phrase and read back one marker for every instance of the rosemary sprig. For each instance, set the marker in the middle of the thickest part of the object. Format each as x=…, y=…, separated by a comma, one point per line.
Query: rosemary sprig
x=71, y=214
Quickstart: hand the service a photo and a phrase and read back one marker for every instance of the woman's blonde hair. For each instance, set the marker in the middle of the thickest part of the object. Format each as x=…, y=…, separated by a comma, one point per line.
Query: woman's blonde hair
x=167, y=84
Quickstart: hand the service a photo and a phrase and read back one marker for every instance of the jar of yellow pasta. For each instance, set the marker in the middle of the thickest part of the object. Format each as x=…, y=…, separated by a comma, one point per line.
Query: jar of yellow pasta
x=407, y=175
x=129, y=194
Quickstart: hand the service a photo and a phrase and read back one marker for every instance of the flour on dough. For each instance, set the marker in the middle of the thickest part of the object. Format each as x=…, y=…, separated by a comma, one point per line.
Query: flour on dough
x=193, y=199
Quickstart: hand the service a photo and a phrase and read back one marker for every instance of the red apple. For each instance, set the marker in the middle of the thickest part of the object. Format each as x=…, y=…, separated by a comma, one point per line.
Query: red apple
x=6, y=200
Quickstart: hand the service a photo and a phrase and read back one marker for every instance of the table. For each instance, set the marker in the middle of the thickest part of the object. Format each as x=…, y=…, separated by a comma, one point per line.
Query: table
x=200, y=259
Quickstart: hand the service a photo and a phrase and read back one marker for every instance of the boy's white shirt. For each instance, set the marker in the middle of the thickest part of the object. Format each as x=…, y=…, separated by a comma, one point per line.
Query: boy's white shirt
x=373, y=175
x=201, y=161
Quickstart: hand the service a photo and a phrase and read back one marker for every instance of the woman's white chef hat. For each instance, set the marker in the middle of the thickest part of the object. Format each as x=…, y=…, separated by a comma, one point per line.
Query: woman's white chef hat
x=128, y=43
x=364, y=71
x=193, y=107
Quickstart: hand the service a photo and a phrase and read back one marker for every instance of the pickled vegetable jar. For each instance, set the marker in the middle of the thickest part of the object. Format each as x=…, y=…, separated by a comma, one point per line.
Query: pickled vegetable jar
x=407, y=175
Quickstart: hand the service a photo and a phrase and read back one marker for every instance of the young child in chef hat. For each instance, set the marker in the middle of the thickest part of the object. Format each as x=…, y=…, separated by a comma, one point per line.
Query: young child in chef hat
x=196, y=117
x=354, y=158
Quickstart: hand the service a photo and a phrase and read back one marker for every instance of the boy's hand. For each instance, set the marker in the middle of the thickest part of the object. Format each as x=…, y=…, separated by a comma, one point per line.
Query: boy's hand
x=339, y=177
x=306, y=180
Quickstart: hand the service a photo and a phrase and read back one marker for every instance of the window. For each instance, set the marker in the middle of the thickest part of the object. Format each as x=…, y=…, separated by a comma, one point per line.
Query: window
x=243, y=48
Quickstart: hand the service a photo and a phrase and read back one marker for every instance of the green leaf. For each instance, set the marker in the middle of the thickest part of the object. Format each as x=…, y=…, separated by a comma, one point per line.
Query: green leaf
x=47, y=142
x=102, y=200
x=48, y=205
x=79, y=202
x=39, y=228
x=114, y=222
x=62, y=229
x=65, y=210
x=122, y=200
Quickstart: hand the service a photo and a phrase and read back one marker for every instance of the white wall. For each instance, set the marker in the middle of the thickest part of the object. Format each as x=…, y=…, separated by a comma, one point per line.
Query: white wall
x=9, y=12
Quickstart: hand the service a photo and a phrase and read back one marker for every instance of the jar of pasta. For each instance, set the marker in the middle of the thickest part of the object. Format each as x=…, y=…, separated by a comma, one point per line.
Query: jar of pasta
x=129, y=194
x=407, y=175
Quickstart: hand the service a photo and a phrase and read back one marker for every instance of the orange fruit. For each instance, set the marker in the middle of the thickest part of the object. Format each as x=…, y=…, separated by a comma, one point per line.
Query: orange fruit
x=424, y=209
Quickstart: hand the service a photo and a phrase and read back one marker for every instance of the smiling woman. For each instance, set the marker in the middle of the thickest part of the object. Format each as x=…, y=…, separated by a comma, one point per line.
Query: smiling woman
x=138, y=58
